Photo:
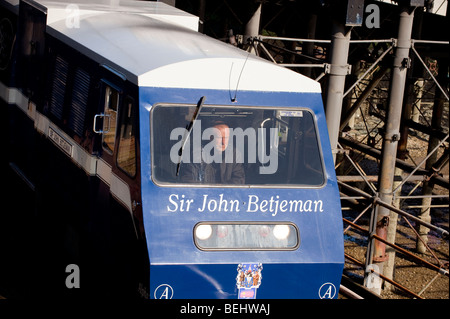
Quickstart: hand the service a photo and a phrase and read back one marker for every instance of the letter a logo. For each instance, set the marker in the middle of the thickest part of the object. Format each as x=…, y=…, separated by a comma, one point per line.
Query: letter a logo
x=373, y=19
x=163, y=292
x=73, y=16
x=327, y=291
x=73, y=280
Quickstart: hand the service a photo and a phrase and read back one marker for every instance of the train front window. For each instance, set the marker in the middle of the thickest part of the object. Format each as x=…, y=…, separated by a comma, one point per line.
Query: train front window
x=229, y=146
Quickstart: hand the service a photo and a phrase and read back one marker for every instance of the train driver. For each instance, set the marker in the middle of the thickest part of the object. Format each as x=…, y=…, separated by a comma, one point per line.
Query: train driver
x=219, y=169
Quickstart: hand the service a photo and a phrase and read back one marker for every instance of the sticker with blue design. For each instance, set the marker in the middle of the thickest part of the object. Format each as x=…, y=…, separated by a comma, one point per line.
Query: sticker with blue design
x=248, y=280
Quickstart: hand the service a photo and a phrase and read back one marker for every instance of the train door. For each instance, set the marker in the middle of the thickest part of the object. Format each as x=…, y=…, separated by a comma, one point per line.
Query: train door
x=117, y=165
x=115, y=125
x=117, y=194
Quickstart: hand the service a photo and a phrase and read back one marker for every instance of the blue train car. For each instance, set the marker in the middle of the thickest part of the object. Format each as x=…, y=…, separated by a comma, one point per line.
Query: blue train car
x=178, y=165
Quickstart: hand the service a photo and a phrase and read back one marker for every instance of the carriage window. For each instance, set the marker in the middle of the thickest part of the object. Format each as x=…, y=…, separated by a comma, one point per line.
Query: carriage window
x=110, y=119
x=235, y=146
x=126, y=155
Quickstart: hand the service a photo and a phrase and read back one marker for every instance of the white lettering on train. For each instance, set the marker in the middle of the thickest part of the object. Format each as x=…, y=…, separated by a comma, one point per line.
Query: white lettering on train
x=254, y=204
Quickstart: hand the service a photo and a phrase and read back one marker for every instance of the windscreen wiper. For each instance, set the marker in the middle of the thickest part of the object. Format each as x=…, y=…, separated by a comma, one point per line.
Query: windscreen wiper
x=189, y=130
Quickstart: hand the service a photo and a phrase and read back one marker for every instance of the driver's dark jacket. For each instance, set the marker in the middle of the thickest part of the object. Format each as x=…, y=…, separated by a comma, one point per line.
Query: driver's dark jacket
x=214, y=173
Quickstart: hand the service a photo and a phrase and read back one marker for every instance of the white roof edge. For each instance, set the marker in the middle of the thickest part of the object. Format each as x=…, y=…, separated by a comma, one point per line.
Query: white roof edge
x=229, y=74
x=123, y=33
x=73, y=10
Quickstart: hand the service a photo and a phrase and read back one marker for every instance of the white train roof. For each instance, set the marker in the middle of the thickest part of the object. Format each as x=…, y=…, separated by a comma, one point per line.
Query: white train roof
x=156, y=45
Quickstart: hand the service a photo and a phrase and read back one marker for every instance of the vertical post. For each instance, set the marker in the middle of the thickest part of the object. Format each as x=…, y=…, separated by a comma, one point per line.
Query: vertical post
x=340, y=42
x=402, y=152
x=391, y=134
x=416, y=110
x=201, y=16
x=252, y=28
x=436, y=124
x=308, y=48
x=389, y=264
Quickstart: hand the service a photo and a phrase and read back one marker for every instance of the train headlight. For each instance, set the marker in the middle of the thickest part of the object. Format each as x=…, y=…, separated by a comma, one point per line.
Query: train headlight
x=203, y=232
x=246, y=236
x=281, y=232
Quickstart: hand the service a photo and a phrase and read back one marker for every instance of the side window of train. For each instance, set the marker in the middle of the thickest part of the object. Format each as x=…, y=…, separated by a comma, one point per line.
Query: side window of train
x=126, y=154
x=110, y=118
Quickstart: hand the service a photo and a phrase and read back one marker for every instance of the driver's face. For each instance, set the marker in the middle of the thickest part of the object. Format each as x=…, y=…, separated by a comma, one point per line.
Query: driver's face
x=222, y=137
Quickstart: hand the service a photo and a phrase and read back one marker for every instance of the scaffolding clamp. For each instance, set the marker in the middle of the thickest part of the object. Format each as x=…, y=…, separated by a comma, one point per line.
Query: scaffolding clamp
x=337, y=69
x=404, y=63
x=393, y=137
x=340, y=151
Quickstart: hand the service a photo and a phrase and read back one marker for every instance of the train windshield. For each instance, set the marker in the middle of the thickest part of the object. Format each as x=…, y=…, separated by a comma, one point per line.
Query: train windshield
x=229, y=146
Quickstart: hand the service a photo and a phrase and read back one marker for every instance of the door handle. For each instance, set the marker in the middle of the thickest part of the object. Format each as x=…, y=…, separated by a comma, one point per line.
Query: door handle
x=101, y=115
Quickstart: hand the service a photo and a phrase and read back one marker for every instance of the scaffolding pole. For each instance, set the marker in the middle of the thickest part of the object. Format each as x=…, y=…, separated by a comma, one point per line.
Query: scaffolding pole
x=338, y=70
x=432, y=157
x=380, y=215
x=252, y=30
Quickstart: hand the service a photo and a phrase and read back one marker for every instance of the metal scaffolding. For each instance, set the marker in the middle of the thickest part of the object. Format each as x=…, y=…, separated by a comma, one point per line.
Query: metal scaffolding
x=394, y=60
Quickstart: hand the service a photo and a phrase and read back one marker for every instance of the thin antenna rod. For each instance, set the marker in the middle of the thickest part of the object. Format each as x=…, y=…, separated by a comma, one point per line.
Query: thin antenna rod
x=233, y=99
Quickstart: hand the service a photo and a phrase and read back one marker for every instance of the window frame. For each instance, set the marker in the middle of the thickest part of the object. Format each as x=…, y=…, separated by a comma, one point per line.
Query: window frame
x=122, y=114
x=197, y=242
x=105, y=86
x=209, y=185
